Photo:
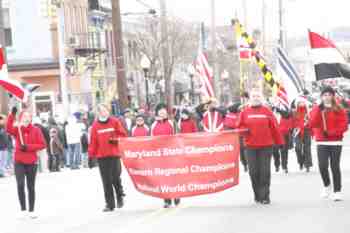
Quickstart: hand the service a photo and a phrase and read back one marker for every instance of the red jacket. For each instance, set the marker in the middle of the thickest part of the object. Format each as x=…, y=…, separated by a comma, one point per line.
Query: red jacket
x=286, y=125
x=139, y=131
x=336, y=123
x=230, y=120
x=300, y=117
x=262, y=127
x=101, y=133
x=162, y=127
x=32, y=137
x=187, y=126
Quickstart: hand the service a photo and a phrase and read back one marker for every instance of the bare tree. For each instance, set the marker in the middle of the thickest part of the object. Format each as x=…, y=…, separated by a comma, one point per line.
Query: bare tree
x=181, y=38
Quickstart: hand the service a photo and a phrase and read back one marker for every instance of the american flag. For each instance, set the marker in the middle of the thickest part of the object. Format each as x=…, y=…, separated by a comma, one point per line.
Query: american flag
x=282, y=97
x=205, y=75
x=203, y=70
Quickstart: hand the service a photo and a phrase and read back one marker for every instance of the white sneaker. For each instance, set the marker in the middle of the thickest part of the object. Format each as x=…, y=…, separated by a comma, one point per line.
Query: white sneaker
x=22, y=215
x=326, y=192
x=337, y=196
x=33, y=215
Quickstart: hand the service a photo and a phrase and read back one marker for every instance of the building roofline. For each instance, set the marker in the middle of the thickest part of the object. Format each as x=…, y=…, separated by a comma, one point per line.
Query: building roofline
x=33, y=66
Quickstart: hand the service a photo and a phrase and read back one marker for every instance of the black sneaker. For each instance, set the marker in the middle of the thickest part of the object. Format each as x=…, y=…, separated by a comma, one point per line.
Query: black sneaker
x=266, y=202
x=301, y=167
x=120, y=201
x=308, y=169
x=108, y=209
x=167, y=203
x=286, y=170
x=177, y=201
x=277, y=169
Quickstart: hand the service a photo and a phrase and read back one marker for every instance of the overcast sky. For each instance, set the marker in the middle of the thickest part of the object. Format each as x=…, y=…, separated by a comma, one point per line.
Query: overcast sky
x=318, y=15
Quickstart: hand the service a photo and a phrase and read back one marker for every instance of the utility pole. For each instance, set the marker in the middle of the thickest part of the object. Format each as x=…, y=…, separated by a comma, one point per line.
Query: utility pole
x=4, y=97
x=216, y=77
x=281, y=38
x=117, y=33
x=165, y=53
x=263, y=25
x=62, y=60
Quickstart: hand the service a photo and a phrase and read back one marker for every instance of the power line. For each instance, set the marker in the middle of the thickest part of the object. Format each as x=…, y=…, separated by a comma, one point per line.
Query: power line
x=145, y=4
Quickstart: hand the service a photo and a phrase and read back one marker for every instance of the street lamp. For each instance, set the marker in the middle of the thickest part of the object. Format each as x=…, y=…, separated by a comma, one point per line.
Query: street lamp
x=191, y=71
x=224, y=78
x=145, y=65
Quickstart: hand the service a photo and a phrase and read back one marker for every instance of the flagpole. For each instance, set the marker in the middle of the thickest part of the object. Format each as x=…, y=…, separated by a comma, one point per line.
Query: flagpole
x=4, y=99
x=213, y=47
x=62, y=65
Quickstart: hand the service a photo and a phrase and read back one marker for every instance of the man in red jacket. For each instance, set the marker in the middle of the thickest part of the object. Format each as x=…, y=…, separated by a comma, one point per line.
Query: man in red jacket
x=105, y=133
x=329, y=121
x=29, y=140
x=262, y=134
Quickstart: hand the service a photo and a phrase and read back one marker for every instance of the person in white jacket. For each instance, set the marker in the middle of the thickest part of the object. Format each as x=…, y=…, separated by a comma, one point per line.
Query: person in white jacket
x=74, y=131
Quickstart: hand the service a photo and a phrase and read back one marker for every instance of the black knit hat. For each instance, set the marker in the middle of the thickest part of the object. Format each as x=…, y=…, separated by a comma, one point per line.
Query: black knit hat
x=185, y=111
x=234, y=108
x=328, y=89
x=159, y=107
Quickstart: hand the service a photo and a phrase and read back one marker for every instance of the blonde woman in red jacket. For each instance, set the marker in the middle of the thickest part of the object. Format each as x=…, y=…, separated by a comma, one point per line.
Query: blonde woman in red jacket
x=329, y=122
x=105, y=133
x=29, y=140
x=262, y=135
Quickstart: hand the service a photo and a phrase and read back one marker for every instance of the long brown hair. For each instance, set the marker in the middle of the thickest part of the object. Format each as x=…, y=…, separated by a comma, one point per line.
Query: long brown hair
x=335, y=106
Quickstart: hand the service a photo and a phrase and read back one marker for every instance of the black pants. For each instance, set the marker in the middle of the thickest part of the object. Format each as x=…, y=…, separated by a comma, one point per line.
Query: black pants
x=54, y=162
x=330, y=153
x=259, y=162
x=303, y=149
x=110, y=170
x=284, y=149
x=280, y=154
x=242, y=155
x=26, y=172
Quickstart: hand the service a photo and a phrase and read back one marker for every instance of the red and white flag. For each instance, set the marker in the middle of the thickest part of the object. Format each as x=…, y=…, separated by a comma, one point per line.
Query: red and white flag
x=328, y=60
x=205, y=75
x=14, y=87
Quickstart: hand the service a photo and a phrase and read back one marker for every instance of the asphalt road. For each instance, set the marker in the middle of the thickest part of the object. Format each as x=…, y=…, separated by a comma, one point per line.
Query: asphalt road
x=71, y=202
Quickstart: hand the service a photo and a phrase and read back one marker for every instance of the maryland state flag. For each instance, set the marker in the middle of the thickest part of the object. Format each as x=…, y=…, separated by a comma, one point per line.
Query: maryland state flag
x=12, y=86
x=328, y=60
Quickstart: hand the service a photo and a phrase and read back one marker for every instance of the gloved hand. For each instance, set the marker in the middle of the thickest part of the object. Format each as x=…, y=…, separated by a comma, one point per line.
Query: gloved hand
x=23, y=148
x=14, y=110
x=325, y=133
x=113, y=141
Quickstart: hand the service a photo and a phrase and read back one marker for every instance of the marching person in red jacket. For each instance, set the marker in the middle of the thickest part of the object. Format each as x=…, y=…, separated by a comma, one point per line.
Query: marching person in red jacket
x=280, y=153
x=29, y=140
x=186, y=123
x=163, y=126
x=105, y=133
x=302, y=134
x=262, y=134
x=140, y=129
x=230, y=123
x=213, y=116
x=329, y=122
